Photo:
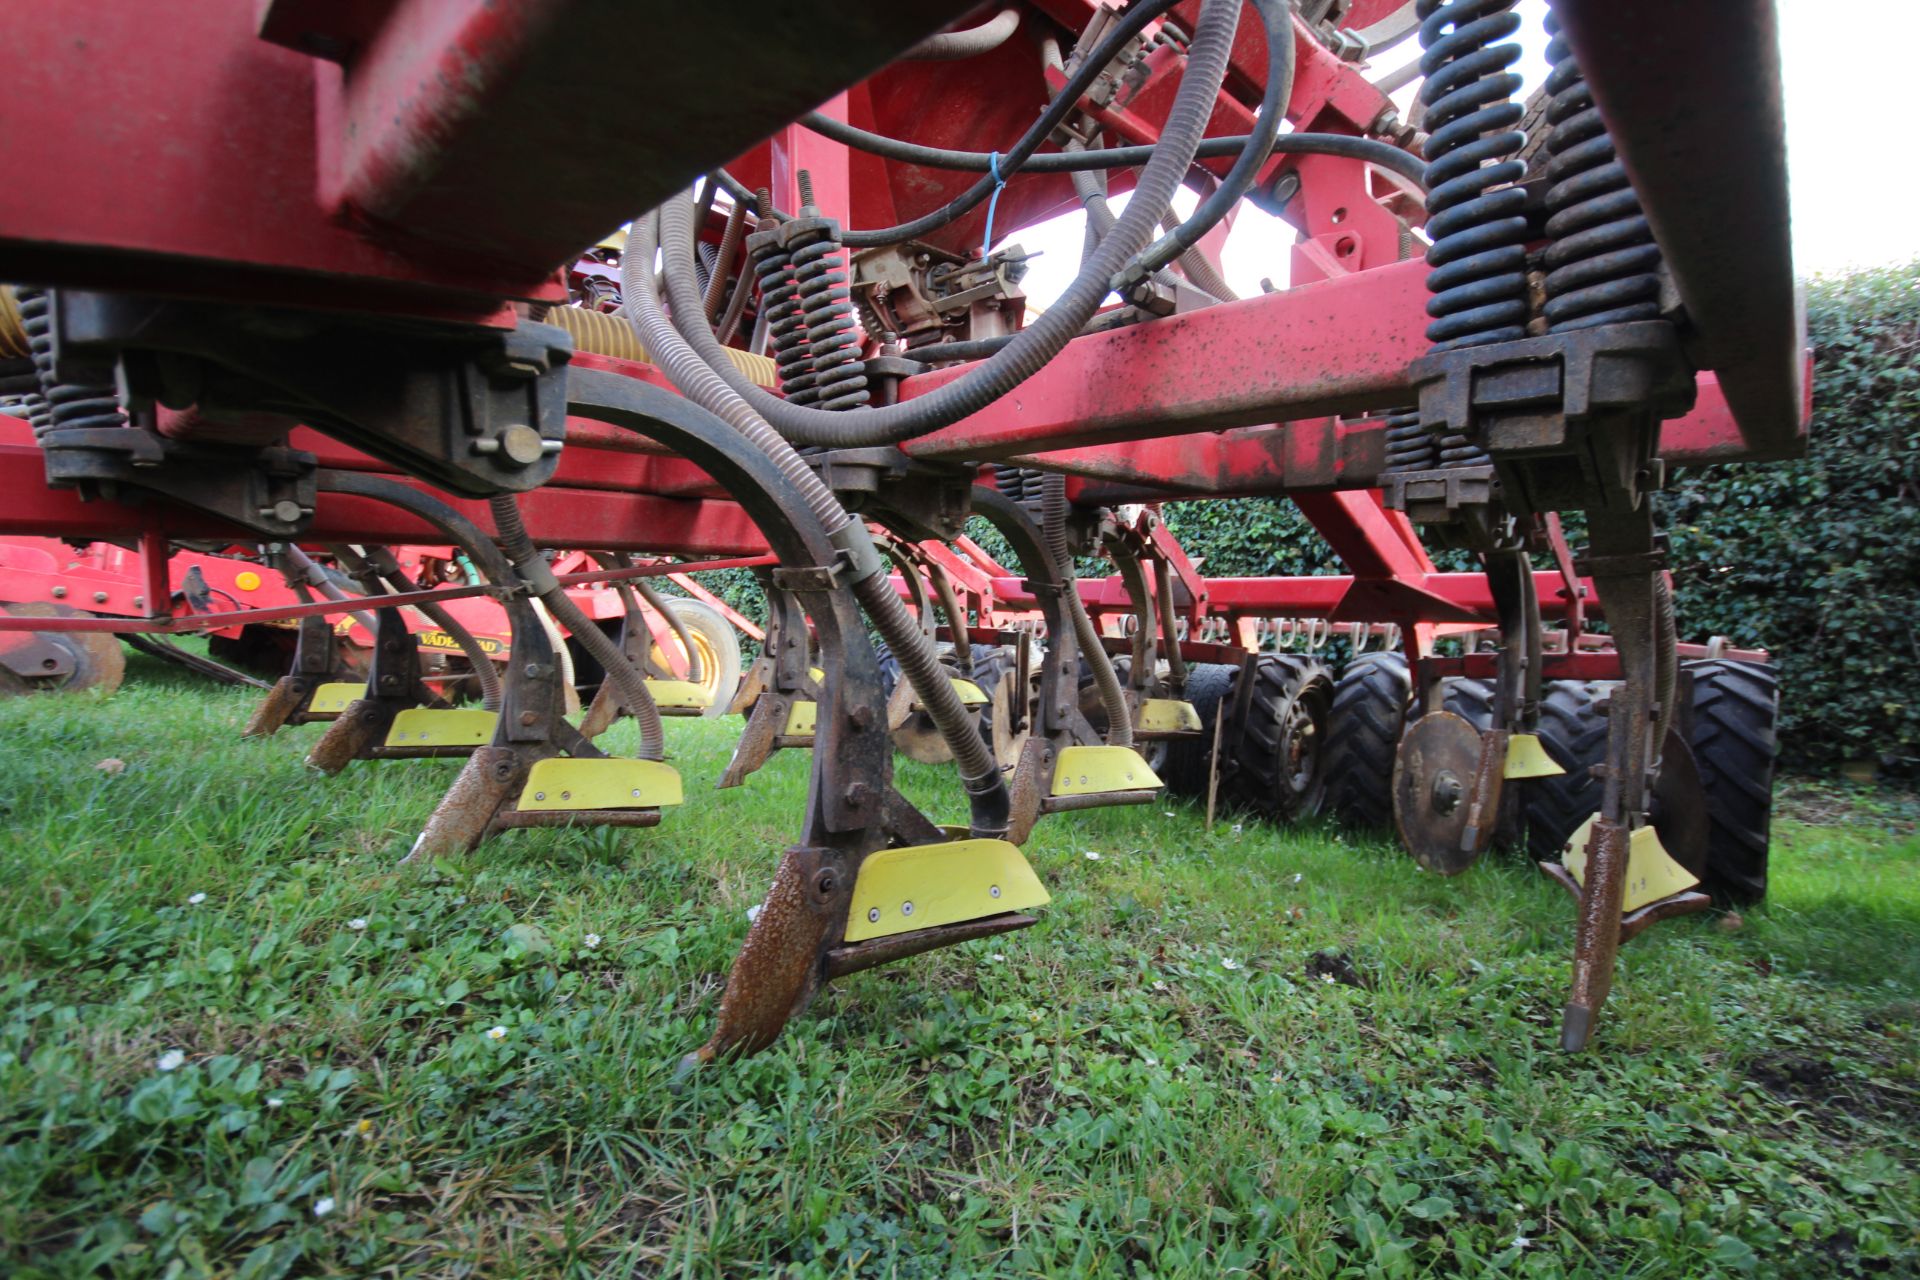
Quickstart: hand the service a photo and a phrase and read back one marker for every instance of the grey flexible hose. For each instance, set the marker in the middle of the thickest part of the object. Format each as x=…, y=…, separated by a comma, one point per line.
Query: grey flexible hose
x=1053, y=524
x=698, y=381
x=951, y=46
x=1036, y=344
x=1199, y=270
x=533, y=569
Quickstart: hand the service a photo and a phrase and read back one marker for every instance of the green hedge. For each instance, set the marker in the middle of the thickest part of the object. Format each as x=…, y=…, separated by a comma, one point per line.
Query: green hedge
x=1818, y=560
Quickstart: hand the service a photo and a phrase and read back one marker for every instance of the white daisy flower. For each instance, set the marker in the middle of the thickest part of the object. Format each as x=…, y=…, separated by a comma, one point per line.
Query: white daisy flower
x=753, y=912
x=1228, y=962
x=496, y=1033
x=592, y=940
x=1093, y=855
x=171, y=1060
x=195, y=899
x=357, y=924
x=1521, y=1242
x=274, y=1104
x=323, y=1206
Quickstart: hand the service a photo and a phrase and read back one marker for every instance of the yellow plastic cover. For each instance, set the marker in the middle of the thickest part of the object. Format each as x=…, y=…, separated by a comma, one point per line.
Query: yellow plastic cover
x=599, y=783
x=970, y=693
x=923, y=886
x=1652, y=874
x=678, y=693
x=1526, y=758
x=1085, y=771
x=332, y=699
x=801, y=718
x=1168, y=715
x=441, y=727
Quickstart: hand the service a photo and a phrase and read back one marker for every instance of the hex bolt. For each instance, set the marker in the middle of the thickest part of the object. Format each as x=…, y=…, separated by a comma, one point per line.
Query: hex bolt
x=99, y=597
x=59, y=593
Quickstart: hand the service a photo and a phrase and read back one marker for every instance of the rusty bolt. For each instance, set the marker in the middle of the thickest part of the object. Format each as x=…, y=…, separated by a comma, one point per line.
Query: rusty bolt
x=528, y=717
x=99, y=597
x=861, y=715
x=824, y=883
x=858, y=794
x=59, y=593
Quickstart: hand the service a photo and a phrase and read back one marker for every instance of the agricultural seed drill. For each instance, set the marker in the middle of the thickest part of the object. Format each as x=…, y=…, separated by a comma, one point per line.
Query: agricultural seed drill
x=338, y=276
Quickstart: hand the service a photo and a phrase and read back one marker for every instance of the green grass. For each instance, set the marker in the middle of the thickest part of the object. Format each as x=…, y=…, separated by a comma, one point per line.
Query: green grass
x=1101, y=1095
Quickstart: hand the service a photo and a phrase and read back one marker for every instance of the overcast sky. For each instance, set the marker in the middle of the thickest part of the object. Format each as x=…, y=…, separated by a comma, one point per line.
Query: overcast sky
x=1848, y=78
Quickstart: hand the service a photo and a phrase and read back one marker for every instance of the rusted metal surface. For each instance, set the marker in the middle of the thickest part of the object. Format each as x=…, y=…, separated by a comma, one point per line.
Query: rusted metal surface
x=842, y=961
x=491, y=776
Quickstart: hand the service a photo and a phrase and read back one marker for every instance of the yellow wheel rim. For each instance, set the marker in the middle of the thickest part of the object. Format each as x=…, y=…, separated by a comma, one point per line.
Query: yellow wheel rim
x=709, y=663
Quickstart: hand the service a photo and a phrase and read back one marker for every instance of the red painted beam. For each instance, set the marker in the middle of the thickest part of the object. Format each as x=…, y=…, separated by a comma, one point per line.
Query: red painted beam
x=1335, y=346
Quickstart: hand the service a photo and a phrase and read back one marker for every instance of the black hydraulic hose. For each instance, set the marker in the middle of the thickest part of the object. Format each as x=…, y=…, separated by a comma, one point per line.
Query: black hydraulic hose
x=1034, y=345
x=1277, y=17
x=1053, y=524
x=1111, y=45
x=626, y=677
x=696, y=379
x=1380, y=154
x=1091, y=187
x=951, y=46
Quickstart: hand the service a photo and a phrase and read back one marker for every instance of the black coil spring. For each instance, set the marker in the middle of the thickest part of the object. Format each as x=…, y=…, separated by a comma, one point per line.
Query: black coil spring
x=1019, y=484
x=773, y=269
x=62, y=406
x=1476, y=215
x=1602, y=262
x=1410, y=446
x=836, y=377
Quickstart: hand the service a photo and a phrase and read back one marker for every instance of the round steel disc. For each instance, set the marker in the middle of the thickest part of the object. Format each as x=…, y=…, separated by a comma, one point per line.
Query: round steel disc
x=1432, y=784
x=1679, y=806
x=98, y=660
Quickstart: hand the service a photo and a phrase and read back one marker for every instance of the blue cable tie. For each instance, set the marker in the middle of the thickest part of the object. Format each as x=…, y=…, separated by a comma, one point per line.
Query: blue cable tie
x=999, y=185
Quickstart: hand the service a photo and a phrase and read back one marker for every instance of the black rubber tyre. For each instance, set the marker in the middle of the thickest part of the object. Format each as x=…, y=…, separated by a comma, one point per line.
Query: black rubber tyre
x=1363, y=733
x=1734, y=707
x=889, y=668
x=1574, y=734
x=1209, y=685
x=1279, y=753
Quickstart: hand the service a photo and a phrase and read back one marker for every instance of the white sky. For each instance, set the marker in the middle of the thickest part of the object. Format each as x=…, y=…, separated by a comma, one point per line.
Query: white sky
x=1849, y=80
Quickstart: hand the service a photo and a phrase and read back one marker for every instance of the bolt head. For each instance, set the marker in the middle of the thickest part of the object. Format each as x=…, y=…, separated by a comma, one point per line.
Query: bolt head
x=286, y=511
x=906, y=908
x=873, y=916
x=993, y=891
x=521, y=445
x=59, y=593
x=99, y=597
x=539, y=795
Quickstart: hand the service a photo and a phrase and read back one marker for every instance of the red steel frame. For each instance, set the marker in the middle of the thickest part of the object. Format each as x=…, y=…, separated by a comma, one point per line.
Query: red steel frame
x=1244, y=398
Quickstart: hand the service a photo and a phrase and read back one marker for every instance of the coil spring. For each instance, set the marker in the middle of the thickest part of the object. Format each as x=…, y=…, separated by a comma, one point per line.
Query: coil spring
x=773, y=269
x=1019, y=484
x=1602, y=262
x=1477, y=217
x=65, y=406
x=837, y=377
x=1410, y=446
x=34, y=320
